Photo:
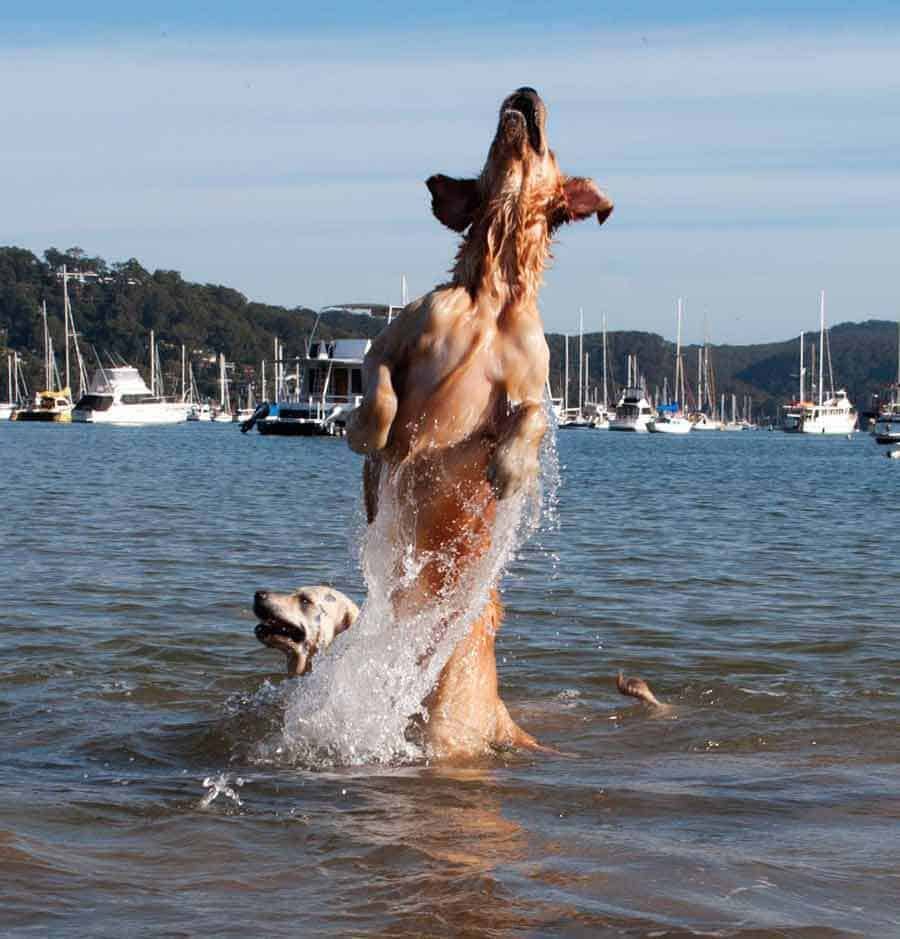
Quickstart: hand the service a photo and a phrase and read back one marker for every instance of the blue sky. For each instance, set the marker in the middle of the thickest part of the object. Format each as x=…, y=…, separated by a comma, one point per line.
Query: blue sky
x=282, y=150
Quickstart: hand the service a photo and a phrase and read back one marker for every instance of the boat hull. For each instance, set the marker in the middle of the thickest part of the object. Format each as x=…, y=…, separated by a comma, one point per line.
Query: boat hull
x=674, y=428
x=130, y=416
x=43, y=417
x=294, y=428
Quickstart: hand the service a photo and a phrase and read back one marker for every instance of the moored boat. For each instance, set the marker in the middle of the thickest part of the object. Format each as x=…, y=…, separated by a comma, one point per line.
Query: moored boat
x=118, y=395
x=319, y=397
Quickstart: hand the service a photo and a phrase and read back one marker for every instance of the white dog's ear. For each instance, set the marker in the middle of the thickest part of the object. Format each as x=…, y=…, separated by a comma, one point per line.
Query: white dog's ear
x=351, y=612
x=453, y=201
x=582, y=200
x=346, y=621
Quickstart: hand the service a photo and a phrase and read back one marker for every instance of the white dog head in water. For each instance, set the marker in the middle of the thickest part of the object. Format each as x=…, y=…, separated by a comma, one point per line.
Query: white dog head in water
x=302, y=623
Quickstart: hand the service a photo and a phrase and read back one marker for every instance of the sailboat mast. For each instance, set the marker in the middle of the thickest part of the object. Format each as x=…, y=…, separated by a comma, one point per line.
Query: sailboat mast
x=65, y=280
x=802, y=370
x=9, y=396
x=700, y=379
x=679, y=382
x=566, y=383
x=605, y=395
x=48, y=372
x=580, y=357
x=821, y=346
x=277, y=388
x=263, y=379
x=587, y=363
x=183, y=374
x=152, y=363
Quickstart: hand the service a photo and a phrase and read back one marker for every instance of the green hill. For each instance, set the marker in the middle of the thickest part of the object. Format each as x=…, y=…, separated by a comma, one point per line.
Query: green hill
x=118, y=304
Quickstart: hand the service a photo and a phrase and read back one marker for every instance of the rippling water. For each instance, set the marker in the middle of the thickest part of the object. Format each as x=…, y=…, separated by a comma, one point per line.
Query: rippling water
x=750, y=578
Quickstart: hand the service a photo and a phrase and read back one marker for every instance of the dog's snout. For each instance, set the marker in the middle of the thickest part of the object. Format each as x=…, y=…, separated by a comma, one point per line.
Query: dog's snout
x=261, y=596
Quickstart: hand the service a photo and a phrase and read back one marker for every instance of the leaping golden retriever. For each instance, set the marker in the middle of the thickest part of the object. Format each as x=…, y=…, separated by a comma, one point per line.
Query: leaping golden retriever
x=453, y=409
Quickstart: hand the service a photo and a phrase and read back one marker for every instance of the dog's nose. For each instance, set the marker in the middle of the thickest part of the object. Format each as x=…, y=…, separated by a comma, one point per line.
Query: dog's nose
x=261, y=596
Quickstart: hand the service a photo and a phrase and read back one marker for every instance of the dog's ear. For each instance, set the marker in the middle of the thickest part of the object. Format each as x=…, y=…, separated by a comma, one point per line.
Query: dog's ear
x=581, y=199
x=345, y=622
x=453, y=201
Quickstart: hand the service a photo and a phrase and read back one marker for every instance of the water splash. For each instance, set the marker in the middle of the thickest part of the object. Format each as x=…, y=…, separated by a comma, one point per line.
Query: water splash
x=357, y=705
x=220, y=786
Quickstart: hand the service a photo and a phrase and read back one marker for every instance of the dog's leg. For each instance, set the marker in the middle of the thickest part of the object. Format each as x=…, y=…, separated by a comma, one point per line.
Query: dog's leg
x=466, y=713
x=516, y=459
x=370, y=424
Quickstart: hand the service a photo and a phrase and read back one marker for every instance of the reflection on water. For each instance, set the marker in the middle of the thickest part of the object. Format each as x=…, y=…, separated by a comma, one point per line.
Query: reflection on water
x=764, y=801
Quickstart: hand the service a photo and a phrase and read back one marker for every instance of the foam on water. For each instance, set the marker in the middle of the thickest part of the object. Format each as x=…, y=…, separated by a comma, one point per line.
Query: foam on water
x=357, y=704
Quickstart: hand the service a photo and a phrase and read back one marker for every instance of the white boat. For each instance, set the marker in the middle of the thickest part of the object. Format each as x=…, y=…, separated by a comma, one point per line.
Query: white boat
x=669, y=418
x=221, y=414
x=665, y=423
x=320, y=395
x=833, y=414
x=118, y=395
x=703, y=421
x=8, y=406
x=633, y=410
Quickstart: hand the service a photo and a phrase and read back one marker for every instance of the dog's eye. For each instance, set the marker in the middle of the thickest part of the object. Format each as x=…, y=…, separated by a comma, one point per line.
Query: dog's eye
x=305, y=601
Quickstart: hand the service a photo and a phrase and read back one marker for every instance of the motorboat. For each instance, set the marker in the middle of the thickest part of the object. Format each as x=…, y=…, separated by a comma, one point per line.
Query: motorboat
x=633, y=412
x=119, y=395
x=49, y=406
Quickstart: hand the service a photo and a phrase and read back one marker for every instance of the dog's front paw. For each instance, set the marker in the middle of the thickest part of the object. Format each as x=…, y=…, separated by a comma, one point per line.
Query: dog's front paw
x=510, y=471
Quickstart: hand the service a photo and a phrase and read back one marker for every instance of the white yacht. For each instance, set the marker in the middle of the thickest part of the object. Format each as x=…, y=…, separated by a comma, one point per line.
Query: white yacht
x=322, y=393
x=120, y=396
x=633, y=411
x=829, y=415
x=834, y=415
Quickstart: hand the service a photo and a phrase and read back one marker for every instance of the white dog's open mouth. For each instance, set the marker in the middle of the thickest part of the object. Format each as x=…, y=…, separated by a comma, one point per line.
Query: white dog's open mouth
x=272, y=629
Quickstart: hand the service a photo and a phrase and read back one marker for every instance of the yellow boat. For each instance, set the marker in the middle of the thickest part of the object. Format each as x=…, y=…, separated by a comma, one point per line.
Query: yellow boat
x=49, y=406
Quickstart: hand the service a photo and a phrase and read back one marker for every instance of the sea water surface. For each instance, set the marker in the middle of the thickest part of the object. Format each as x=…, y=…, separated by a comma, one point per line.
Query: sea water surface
x=750, y=578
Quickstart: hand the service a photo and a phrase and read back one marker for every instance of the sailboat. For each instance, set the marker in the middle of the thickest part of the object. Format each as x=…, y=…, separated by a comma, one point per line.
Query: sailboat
x=600, y=412
x=704, y=418
x=12, y=397
x=572, y=418
x=669, y=417
x=222, y=414
x=54, y=403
